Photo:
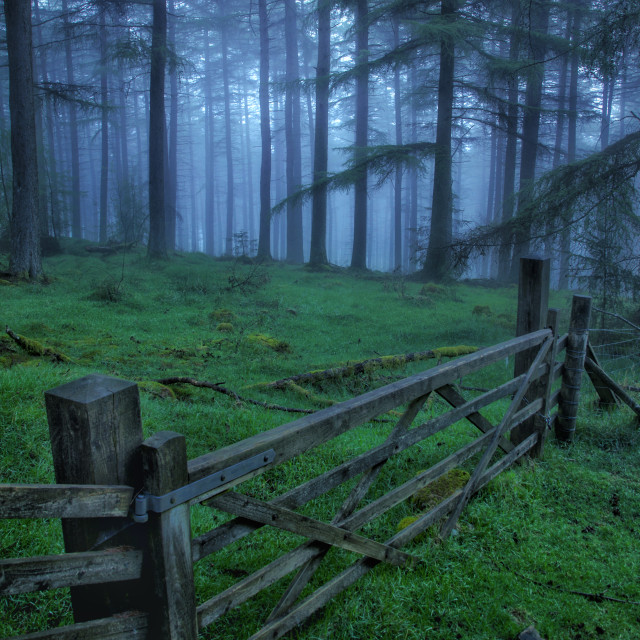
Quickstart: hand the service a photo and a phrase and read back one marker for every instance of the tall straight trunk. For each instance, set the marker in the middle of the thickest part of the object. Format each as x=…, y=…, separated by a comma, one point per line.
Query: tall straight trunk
x=264, y=236
x=565, y=237
x=396, y=262
x=249, y=155
x=292, y=132
x=172, y=151
x=40, y=126
x=318, y=250
x=227, y=122
x=157, y=247
x=104, y=97
x=438, y=262
x=413, y=179
x=608, y=85
x=530, y=127
x=25, y=258
x=50, y=169
x=124, y=178
x=76, y=218
x=623, y=92
x=511, y=149
x=209, y=152
x=359, y=254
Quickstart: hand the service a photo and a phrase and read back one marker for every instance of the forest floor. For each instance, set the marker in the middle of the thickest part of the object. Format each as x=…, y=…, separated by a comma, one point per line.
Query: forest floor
x=552, y=542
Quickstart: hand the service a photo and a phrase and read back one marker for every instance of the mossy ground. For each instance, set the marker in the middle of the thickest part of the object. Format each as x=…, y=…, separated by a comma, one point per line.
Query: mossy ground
x=544, y=528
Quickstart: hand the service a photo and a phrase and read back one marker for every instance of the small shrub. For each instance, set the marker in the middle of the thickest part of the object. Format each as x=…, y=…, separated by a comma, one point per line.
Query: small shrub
x=482, y=310
x=225, y=327
x=109, y=290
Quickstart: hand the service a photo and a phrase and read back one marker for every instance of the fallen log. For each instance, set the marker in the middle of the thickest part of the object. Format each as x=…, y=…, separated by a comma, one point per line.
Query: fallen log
x=35, y=348
x=228, y=392
x=366, y=366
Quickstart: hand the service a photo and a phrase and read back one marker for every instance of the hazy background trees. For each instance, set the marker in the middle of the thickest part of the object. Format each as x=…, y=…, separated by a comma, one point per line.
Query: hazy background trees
x=395, y=135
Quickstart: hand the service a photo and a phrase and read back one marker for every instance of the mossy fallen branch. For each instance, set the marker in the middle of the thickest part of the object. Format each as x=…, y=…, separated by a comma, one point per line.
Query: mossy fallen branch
x=228, y=392
x=366, y=366
x=35, y=348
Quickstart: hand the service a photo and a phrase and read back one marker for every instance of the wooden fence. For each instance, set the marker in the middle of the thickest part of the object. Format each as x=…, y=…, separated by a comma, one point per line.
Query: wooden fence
x=125, y=502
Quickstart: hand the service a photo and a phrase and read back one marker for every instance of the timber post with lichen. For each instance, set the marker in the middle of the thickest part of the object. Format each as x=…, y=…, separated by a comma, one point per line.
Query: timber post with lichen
x=573, y=367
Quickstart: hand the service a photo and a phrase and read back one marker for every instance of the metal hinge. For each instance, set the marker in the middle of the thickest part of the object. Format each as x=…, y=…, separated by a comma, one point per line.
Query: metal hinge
x=158, y=504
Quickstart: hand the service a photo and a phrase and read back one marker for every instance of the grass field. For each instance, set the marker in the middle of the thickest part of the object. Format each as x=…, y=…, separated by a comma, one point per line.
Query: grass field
x=551, y=542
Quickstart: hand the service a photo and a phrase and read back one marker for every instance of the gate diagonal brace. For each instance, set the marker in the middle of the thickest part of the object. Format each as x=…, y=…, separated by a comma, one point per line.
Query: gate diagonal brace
x=159, y=504
x=281, y=518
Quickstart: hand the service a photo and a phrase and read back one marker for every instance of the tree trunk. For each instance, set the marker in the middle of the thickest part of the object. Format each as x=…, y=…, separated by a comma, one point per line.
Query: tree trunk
x=396, y=263
x=530, y=127
x=227, y=121
x=249, y=154
x=565, y=237
x=25, y=242
x=157, y=247
x=172, y=151
x=438, y=263
x=76, y=218
x=413, y=179
x=359, y=254
x=209, y=152
x=104, y=98
x=292, y=132
x=264, y=237
x=318, y=252
x=509, y=181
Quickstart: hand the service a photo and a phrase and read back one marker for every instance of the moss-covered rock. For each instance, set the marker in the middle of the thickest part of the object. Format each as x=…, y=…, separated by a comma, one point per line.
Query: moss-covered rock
x=264, y=340
x=225, y=327
x=223, y=315
x=157, y=389
x=440, y=489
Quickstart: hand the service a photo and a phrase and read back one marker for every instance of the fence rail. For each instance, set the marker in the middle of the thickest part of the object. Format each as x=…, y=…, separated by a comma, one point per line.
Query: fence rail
x=148, y=565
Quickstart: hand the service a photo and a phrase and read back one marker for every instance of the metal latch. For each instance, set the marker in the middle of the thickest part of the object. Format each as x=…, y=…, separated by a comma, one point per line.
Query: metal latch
x=158, y=504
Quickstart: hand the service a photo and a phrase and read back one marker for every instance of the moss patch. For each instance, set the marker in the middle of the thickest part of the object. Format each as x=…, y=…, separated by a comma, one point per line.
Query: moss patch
x=225, y=327
x=435, y=492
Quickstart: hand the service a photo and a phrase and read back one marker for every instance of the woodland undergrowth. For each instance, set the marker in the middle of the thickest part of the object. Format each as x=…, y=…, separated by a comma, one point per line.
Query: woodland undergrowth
x=550, y=542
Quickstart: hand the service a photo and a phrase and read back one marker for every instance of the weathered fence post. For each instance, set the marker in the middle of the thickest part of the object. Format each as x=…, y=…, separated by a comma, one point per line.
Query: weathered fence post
x=573, y=367
x=533, y=301
x=169, y=570
x=96, y=432
x=542, y=417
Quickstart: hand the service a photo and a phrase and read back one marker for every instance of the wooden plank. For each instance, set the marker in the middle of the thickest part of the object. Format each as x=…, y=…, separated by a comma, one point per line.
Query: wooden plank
x=236, y=529
x=448, y=393
x=243, y=590
x=247, y=507
x=169, y=571
x=123, y=626
x=493, y=445
x=293, y=438
x=590, y=365
x=305, y=574
x=96, y=431
x=22, y=575
x=328, y=591
x=64, y=501
x=607, y=397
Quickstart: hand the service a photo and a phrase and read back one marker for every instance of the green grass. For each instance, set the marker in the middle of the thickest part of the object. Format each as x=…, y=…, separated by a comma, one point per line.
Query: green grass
x=536, y=533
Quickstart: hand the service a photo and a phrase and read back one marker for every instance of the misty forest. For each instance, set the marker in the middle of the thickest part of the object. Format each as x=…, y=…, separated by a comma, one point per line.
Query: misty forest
x=448, y=138
x=320, y=319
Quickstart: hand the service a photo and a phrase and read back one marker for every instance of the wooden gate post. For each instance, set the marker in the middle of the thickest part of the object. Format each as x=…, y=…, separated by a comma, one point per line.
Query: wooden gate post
x=533, y=301
x=96, y=432
x=573, y=367
x=169, y=567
